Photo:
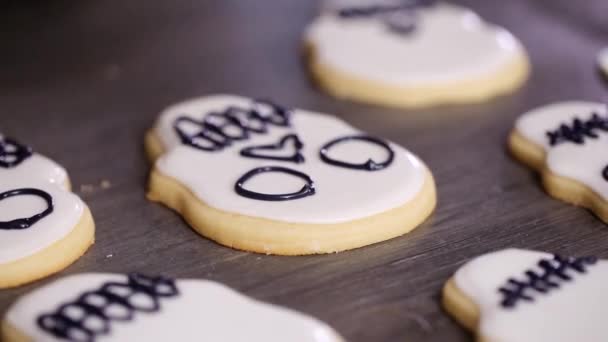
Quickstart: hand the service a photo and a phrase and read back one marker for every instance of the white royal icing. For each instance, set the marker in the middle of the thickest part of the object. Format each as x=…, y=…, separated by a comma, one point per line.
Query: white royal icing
x=582, y=162
x=341, y=194
x=575, y=311
x=450, y=44
x=36, y=167
x=602, y=60
x=201, y=311
x=21, y=243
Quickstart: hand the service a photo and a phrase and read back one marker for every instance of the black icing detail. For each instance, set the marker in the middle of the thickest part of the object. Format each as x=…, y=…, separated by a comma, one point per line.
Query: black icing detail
x=399, y=17
x=217, y=130
x=369, y=165
x=27, y=222
x=113, y=301
x=554, y=272
x=12, y=153
x=579, y=130
x=605, y=173
x=288, y=140
x=307, y=190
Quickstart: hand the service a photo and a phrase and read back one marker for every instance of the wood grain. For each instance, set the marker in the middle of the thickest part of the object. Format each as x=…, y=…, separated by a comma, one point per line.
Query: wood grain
x=82, y=81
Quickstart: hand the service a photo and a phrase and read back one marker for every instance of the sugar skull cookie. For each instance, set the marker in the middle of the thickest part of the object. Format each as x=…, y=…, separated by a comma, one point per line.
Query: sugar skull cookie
x=409, y=53
x=43, y=227
x=253, y=175
x=567, y=143
x=136, y=307
x=519, y=295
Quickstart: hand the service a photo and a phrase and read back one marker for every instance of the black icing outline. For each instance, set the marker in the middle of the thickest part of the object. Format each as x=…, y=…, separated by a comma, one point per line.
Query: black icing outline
x=369, y=165
x=217, y=135
x=21, y=153
x=579, y=131
x=307, y=190
x=387, y=13
x=605, y=173
x=297, y=157
x=59, y=324
x=27, y=222
x=554, y=272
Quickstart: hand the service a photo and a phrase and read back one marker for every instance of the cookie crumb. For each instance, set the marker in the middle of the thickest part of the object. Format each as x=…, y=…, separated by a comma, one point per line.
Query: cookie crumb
x=105, y=184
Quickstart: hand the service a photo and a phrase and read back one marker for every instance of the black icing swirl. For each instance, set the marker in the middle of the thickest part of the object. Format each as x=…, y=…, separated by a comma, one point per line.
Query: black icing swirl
x=26, y=222
x=553, y=273
x=12, y=153
x=369, y=165
x=217, y=130
x=307, y=190
x=579, y=130
x=399, y=17
x=92, y=313
x=287, y=140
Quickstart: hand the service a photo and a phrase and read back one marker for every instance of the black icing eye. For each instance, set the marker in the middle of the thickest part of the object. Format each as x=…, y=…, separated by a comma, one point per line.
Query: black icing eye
x=605, y=173
x=307, y=190
x=289, y=142
x=23, y=223
x=369, y=165
x=12, y=153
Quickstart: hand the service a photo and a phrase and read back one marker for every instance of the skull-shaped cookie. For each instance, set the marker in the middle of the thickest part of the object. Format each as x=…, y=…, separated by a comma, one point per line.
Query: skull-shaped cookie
x=43, y=226
x=567, y=143
x=412, y=53
x=253, y=175
x=519, y=296
x=114, y=307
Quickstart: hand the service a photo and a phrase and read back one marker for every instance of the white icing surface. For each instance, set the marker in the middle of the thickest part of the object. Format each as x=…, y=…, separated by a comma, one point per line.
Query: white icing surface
x=581, y=162
x=18, y=244
x=341, y=194
x=203, y=311
x=36, y=167
x=602, y=59
x=574, y=312
x=450, y=44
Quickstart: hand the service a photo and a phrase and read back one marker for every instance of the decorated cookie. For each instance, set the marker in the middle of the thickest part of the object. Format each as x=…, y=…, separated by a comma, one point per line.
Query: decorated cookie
x=567, y=143
x=603, y=61
x=412, y=53
x=19, y=162
x=136, y=307
x=43, y=227
x=517, y=296
x=256, y=176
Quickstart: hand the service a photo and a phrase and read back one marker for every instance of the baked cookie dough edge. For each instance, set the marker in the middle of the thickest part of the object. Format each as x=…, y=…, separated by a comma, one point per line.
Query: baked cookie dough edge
x=53, y=258
x=283, y=238
x=562, y=188
x=476, y=90
x=460, y=307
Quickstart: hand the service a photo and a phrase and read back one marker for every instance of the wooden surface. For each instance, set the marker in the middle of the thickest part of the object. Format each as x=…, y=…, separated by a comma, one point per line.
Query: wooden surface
x=81, y=81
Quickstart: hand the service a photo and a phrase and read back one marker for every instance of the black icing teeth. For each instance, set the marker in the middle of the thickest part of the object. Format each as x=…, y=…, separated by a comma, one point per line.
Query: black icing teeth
x=12, y=153
x=218, y=130
x=307, y=190
x=27, y=222
x=553, y=273
x=579, y=131
x=288, y=141
x=90, y=316
x=369, y=165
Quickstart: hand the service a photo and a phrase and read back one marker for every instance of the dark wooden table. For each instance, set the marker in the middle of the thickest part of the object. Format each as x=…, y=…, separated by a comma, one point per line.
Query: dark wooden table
x=81, y=81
